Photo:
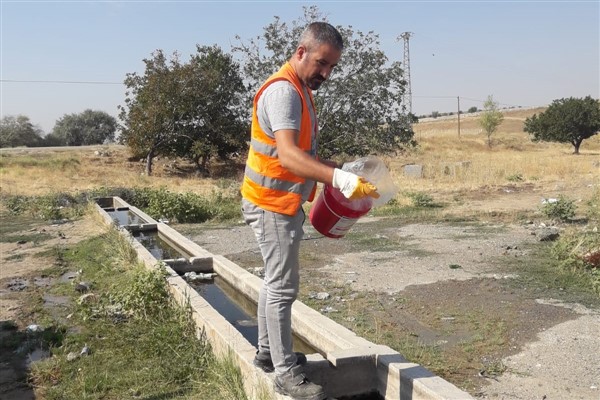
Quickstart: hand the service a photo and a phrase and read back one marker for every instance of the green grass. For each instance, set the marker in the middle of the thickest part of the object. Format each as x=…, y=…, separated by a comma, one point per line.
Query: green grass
x=29, y=237
x=158, y=203
x=143, y=345
x=541, y=271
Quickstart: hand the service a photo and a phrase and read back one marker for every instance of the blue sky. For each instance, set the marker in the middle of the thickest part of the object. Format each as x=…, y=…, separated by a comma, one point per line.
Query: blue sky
x=524, y=53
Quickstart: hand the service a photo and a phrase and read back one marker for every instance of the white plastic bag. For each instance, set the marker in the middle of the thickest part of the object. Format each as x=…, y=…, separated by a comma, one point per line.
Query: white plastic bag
x=374, y=170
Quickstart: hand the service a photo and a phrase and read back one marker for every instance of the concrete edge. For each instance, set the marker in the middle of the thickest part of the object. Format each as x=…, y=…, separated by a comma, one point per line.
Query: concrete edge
x=201, y=259
x=352, y=363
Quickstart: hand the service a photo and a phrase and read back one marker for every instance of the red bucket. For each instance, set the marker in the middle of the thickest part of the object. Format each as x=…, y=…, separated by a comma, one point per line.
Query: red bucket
x=333, y=215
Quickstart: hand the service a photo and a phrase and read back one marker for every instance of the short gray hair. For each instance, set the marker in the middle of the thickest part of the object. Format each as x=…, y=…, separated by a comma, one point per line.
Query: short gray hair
x=321, y=33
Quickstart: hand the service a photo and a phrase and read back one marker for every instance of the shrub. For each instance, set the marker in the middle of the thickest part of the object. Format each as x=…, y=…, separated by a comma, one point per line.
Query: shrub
x=49, y=207
x=515, y=178
x=593, y=204
x=145, y=293
x=562, y=209
x=158, y=203
x=579, y=252
x=422, y=200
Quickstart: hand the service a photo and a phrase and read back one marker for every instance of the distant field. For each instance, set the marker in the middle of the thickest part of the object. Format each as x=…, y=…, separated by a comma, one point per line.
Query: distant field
x=455, y=169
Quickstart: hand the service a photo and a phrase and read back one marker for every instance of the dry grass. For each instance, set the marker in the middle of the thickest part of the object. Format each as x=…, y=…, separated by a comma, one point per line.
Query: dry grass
x=43, y=171
x=452, y=166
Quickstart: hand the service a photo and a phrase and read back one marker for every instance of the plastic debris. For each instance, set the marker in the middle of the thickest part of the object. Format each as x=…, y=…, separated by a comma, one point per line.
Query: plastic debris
x=193, y=276
x=34, y=328
x=85, y=351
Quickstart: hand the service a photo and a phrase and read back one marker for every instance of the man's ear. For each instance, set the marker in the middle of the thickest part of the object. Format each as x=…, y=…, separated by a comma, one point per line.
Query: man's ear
x=301, y=52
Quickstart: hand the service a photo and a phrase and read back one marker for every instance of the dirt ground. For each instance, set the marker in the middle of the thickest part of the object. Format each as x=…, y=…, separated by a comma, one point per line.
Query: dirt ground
x=20, y=278
x=429, y=278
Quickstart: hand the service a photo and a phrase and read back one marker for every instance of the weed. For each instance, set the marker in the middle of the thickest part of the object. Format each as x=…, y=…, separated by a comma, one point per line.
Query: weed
x=422, y=200
x=515, y=178
x=562, y=208
x=159, y=203
x=35, y=238
x=593, y=204
x=578, y=252
x=153, y=352
x=144, y=293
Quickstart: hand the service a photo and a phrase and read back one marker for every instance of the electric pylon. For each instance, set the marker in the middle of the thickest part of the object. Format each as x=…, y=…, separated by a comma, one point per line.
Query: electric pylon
x=407, y=96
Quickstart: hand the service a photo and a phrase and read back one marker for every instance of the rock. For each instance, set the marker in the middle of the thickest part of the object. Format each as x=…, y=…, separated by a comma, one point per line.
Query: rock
x=82, y=287
x=547, y=234
x=328, y=309
x=17, y=284
x=87, y=298
x=413, y=170
x=72, y=356
x=319, y=296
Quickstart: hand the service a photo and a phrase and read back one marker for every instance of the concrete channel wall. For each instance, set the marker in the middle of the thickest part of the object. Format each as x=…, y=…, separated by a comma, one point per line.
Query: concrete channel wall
x=346, y=364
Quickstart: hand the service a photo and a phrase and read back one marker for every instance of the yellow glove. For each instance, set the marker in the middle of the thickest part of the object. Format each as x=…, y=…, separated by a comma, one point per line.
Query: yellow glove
x=352, y=186
x=363, y=189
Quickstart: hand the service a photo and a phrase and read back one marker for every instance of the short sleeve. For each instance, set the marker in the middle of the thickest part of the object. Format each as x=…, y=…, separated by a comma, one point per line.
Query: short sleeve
x=279, y=107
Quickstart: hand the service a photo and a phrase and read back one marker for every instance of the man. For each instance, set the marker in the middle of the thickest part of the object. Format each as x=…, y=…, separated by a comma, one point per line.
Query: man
x=281, y=173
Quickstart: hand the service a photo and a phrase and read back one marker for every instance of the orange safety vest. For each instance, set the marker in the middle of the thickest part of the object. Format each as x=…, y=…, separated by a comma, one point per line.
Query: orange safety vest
x=266, y=182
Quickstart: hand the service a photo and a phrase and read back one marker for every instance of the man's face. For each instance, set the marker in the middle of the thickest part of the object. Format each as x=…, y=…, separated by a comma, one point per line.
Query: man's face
x=315, y=66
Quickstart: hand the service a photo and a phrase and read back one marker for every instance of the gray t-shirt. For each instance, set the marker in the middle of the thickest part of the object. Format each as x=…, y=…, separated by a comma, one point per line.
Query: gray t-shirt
x=280, y=107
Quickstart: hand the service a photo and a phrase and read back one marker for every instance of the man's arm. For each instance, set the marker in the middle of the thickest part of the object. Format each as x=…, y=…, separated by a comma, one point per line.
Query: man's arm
x=299, y=162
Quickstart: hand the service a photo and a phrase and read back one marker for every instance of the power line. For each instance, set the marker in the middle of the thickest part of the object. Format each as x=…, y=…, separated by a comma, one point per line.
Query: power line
x=62, y=82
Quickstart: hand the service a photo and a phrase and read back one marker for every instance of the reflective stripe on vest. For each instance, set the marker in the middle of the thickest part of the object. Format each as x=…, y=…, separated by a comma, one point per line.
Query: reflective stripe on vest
x=267, y=149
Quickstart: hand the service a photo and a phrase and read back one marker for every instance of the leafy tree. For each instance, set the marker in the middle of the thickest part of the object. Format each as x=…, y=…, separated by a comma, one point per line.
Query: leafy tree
x=212, y=101
x=88, y=127
x=472, y=110
x=490, y=118
x=359, y=110
x=19, y=131
x=569, y=120
x=188, y=109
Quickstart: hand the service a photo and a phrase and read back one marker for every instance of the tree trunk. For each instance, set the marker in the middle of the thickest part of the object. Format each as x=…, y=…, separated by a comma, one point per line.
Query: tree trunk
x=149, y=159
x=201, y=164
x=576, y=144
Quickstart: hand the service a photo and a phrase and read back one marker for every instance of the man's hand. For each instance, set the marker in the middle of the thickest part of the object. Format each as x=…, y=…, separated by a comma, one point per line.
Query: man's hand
x=352, y=186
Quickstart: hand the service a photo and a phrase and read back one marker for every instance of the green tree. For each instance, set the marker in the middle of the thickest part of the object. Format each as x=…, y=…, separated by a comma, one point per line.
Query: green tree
x=490, y=118
x=569, y=120
x=212, y=105
x=189, y=109
x=359, y=110
x=86, y=128
x=472, y=110
x=19, y=131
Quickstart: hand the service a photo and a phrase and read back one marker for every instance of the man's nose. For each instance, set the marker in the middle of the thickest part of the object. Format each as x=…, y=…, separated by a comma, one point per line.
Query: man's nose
x=326, y=72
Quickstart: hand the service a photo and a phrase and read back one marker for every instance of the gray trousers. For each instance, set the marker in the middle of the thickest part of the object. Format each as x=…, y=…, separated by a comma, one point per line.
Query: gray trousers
x=278, y=237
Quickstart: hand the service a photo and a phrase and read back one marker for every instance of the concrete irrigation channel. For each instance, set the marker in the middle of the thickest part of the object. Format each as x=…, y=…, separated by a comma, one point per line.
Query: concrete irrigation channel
x=223, y=305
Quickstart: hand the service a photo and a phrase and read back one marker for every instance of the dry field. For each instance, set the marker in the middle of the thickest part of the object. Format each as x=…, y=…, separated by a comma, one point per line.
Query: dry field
x=409, y=267
x=462, y=172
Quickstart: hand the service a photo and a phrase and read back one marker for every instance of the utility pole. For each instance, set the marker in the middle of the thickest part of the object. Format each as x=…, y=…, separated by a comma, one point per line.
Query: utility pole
x=458, y=113
x=407, y=96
